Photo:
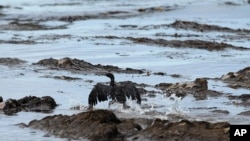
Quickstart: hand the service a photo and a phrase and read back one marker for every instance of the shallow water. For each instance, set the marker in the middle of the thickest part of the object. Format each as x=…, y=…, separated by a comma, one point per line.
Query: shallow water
x=17, y=82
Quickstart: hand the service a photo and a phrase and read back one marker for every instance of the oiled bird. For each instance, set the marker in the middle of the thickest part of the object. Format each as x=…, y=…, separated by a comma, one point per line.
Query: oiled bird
x=114, y=92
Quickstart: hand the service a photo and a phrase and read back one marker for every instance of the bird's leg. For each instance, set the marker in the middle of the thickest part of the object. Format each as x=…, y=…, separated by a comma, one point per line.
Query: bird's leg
x=125, y=106
x=90, y=108
x=111, y=102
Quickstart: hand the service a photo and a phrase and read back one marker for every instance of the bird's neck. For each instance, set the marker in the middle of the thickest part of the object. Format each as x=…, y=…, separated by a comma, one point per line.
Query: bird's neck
x=112, y=82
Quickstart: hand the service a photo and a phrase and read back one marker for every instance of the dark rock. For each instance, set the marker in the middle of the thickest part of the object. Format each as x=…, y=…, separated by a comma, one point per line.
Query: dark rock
x=67, y=78
x=27, y=26
x=103, y=125
x=231, y=3
x=33, y=103
x=129, y=128
x=11, y=107
x=11, y=61
x=162, y=130
x=12, y=41
x=129, y=26
x=199, y=44
x=198, y=88
x=240, y=79
x=75, y=65
x=155, y=9
x=175, y=75
x=108, y=14
x=99, y=125
x=163, y=86
x=29, y=103
x=160, y=73
x=22, y=125
x=48, y=62
x=189, y=25
x=246, y=113
x=244, y=99
x=221, y=111
x=200, y=84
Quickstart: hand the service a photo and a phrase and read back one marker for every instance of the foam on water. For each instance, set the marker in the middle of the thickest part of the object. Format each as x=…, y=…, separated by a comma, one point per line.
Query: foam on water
x=175, y=108
x=154, y=109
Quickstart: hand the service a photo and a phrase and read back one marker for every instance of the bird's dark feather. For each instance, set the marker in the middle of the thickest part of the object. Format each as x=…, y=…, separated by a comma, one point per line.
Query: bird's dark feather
x=115, y=92
x=130, y=91
x=99, y=93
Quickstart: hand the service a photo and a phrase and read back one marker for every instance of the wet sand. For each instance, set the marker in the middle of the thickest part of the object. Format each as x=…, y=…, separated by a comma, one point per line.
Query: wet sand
x=188, y=59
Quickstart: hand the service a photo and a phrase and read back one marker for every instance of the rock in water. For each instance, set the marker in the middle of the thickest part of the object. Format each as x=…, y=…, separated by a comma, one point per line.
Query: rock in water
x=29, y=103
x=94, y=125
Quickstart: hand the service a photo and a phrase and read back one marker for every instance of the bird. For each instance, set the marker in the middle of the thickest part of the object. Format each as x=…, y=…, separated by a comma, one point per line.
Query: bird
x=116, y=92
x=1, y=99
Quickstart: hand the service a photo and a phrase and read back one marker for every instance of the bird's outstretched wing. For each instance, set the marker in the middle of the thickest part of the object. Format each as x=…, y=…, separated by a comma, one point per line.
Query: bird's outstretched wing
x=99, y=93
x=131, y=92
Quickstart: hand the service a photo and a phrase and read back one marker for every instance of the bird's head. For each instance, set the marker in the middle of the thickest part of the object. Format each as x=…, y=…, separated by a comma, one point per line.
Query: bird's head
x=110, y=75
